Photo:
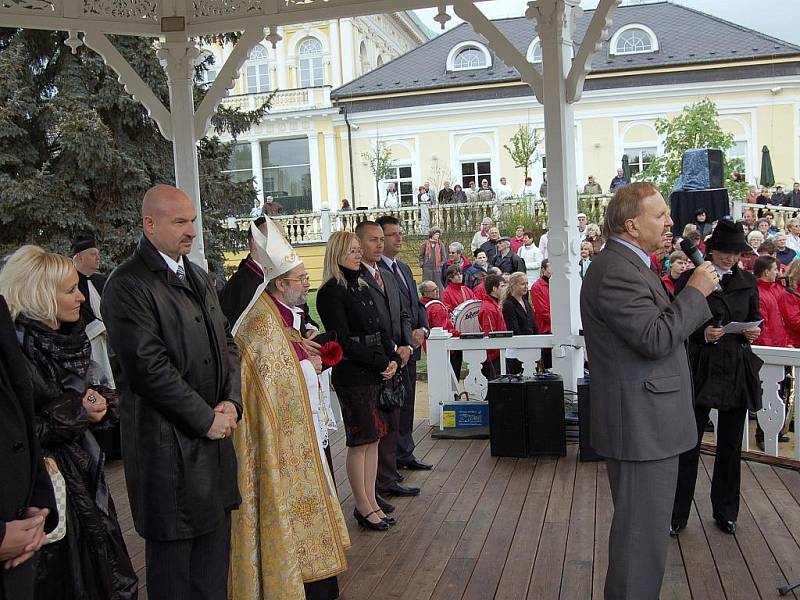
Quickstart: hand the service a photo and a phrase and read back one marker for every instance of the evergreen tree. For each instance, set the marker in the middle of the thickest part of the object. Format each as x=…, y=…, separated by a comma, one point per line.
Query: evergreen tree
x=77, y=152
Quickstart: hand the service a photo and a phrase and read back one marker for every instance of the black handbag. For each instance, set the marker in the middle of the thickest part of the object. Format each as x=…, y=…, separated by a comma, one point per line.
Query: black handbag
x=392, y=394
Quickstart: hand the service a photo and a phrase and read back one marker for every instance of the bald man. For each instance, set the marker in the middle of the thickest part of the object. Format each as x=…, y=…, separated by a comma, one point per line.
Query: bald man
x=180, y=384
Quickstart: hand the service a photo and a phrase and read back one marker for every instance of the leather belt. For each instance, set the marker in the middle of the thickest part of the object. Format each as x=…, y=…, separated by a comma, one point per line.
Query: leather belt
x=373, y=339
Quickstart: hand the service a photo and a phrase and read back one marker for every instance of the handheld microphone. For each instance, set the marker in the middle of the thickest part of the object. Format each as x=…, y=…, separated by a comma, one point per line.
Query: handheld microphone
x=693, y=253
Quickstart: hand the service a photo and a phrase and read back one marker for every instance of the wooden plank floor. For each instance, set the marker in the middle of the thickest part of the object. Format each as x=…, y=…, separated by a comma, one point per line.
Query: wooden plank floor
x=486, y=527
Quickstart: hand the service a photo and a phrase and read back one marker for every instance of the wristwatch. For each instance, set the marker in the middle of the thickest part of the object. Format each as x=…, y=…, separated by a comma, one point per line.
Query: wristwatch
x=426, y=331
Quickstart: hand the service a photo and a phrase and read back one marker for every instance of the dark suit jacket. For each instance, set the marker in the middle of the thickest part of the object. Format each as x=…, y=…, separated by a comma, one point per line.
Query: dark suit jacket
x=519, y=320
x=239, y=290
x=178, y=362
x=394, y=318
x=642, y=405
x=410, y=297
x=24, y=479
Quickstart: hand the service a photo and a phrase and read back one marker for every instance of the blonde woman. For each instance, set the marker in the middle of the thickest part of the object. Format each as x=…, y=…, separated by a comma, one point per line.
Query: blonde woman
x=345, y=306
x=91, y=561
x=518, y=314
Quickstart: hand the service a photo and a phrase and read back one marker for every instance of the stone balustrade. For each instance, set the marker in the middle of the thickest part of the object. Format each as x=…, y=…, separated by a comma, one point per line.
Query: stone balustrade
x=283, y=100
x=780, y=214
x=442, y=386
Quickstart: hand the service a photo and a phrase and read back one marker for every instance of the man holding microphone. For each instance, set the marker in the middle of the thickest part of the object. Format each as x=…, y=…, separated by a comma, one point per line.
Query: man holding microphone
x=642, y=409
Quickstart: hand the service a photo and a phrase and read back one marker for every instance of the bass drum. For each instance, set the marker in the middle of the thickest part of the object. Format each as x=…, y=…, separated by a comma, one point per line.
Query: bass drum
x=465, y=316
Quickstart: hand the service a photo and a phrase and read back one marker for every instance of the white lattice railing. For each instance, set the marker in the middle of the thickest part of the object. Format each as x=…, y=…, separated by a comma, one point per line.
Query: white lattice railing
x=780, y=214
x=527, y=349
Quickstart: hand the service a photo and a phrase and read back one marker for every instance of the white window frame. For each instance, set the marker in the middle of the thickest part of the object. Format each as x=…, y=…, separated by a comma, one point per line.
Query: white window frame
x=639, y=148
x=311, y=64
x=250, y=170
x=396, y=180
x=260, y=71
x=478, y=176
x=458, y=48
x=612, y=46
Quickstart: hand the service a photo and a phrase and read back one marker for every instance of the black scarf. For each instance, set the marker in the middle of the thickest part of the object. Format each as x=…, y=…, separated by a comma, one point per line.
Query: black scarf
x=63, y=356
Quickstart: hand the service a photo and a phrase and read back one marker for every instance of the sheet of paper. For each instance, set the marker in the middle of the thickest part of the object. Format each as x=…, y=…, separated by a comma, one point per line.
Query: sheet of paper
x=737, y=327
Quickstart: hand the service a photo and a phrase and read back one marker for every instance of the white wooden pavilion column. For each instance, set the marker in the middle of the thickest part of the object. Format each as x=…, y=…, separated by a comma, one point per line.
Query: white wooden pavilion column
x=557, y=88
x=554, y=20
x=178, y=55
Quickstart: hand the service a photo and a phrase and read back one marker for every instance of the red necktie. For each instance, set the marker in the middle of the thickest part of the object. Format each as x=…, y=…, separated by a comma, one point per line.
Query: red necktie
x=379, y=279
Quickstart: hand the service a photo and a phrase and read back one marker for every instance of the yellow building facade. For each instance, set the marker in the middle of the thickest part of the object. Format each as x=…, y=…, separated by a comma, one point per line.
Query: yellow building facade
x=293, y=154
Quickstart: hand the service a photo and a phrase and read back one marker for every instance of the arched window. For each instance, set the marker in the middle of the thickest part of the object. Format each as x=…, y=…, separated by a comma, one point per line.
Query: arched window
x=257, y=70
x=634, y=39
x=469, y=58
x=210, y=70
x=468, y=55
x=380, y=61
x=363, y=58
x=312, y=65
x=535, y=52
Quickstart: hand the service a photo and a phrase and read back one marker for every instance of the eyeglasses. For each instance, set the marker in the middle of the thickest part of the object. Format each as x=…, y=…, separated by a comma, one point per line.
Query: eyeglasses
x=302, y=279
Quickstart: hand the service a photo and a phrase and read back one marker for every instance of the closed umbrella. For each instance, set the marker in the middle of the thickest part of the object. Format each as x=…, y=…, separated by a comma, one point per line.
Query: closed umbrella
x=767, y=176
x=626, y=167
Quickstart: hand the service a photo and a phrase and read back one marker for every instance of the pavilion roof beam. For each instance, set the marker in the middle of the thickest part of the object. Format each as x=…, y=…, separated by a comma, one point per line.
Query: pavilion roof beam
x=467, y=10
x=225, y=80
x=131, y=80
x=594, y=37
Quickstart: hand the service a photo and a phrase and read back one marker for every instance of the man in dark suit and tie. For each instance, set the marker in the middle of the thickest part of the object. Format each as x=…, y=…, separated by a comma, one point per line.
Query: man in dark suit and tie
x=395, y=324
x=391, y=266
x=642, y=408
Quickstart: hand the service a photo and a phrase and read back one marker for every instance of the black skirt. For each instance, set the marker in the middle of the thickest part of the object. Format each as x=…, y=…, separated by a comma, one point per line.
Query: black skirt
x=363, y=421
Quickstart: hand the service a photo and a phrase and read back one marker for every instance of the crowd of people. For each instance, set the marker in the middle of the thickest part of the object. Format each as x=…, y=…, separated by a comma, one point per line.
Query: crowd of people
x=221, y=403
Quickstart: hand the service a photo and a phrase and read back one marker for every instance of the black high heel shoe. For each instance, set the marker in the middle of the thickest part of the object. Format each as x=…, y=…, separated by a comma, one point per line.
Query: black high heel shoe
x=390, y=521
x=364, y=522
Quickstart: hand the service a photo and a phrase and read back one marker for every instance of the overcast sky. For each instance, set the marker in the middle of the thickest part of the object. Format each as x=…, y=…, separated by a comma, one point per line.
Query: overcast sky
x=778, y=18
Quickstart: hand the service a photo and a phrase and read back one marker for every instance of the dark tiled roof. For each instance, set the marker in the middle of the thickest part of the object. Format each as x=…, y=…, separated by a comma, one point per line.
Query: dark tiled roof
x=685, y=37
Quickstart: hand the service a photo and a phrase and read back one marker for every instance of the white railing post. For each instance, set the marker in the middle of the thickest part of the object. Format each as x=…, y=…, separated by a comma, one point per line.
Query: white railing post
x=773, y=413
x=325, y=223
x=439, y=369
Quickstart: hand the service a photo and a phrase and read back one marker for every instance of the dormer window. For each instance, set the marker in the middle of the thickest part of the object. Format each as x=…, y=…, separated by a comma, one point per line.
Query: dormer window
x=467, y=56
x=535, y=52
x=634, y=39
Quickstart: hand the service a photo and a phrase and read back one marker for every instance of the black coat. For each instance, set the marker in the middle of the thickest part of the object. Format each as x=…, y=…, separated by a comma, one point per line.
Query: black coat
x=510, y=263
x=178, y=361
x=352, y=313
x=24, y=479
x=91, y=561
x=99, y=282
x=726, y=374
x=417, y=315
x=519, y=320
x=239, y=290
x=490, y=248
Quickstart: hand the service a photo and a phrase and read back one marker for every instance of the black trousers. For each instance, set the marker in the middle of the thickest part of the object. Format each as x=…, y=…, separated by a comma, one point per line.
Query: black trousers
x=387, y=452
x=726, y=480
x=405, y=440
x=193, y=569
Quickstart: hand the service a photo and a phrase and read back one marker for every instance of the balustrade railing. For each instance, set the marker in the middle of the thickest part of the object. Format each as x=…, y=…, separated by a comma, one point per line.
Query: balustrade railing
x=283, y=100
x=443, y=387
x=780, y=214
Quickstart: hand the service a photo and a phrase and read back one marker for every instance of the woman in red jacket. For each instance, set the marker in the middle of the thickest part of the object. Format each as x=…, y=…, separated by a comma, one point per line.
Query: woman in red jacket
x=770, y=297
x=456, y=292
x=790, y=304
x=491, y=319
x=540, y=299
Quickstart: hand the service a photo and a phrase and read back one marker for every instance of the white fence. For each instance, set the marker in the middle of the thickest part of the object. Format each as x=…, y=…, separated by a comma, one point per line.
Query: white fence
x=527, y=348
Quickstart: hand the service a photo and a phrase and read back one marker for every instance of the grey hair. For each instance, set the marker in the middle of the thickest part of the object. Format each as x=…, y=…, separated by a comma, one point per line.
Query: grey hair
x=456, y=247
